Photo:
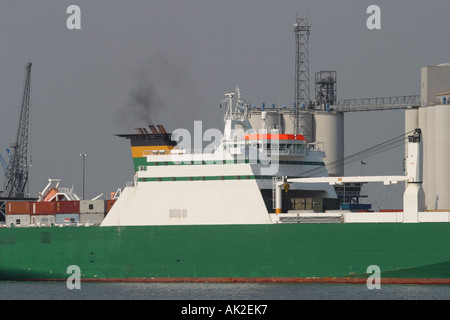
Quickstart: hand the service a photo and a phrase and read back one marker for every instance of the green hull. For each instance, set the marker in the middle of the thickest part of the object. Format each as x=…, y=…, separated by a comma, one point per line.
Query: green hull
x=405, y=253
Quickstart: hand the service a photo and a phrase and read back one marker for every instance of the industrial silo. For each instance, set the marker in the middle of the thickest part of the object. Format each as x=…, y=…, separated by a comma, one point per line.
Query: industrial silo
x=442, y=156
x=434, y=119
x=265, y=119
x=272, y=120
x=411, y=119
x=255, y=119
x=288, y=121
x=328, y=127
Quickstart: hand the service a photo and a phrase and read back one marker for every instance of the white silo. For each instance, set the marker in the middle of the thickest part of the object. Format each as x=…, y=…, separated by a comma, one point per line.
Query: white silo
x=255, y=119
x=434, y=118
x=272, y=120
x=411, y=119
x=288, y=122
x=265, y=119
x=328, y=127
x=442, y=156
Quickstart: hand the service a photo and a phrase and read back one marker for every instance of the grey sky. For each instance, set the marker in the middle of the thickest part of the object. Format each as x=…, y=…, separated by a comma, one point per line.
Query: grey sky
x=191, y=52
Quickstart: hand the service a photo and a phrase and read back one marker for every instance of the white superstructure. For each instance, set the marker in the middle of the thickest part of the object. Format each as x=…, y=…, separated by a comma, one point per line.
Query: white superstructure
x=230, y=184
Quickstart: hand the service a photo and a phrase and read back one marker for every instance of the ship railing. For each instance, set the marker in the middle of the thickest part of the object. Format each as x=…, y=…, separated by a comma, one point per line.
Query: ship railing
x=315, y=219
x=282, y=152
x=274, y=149
x=307, y=217
x=315, y=146
x=186, y=151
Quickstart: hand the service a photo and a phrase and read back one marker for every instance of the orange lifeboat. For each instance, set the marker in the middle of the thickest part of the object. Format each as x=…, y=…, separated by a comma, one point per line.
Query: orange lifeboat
x=50, y=194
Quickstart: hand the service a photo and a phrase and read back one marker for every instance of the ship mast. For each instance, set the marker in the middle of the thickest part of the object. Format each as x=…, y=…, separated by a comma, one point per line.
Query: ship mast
x=301, y=99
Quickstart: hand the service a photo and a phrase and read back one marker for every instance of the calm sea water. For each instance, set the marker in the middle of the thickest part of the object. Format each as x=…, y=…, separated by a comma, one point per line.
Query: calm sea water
x=209, y=291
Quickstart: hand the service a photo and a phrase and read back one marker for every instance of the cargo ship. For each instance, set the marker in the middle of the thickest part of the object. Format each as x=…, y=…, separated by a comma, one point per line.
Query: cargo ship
x=228, y=214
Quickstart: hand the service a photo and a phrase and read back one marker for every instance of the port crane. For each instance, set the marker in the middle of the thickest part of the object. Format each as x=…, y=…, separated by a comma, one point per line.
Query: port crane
x=16, y=173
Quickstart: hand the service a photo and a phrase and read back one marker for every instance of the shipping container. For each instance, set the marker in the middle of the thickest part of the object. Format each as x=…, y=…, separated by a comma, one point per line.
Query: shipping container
x=91, y=218
x=68, y=206
x=92, y=206
x=67, y=218
x=18, y=207
x=43, y=207
x=42, y=219
x=18, y=220
x=109, y=205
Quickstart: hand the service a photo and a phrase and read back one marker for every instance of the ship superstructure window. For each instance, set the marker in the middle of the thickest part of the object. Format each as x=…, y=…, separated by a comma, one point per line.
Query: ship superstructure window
x=275, y=146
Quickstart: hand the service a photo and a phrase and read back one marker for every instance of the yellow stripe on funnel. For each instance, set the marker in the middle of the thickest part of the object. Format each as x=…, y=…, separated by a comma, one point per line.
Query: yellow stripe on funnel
x=140, y=152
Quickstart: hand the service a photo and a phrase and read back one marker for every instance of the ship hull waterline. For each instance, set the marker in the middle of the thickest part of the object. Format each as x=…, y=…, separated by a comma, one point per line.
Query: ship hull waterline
x=406, y=253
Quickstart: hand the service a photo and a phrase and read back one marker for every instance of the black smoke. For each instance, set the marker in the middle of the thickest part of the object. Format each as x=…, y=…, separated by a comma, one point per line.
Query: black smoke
x=143, y=100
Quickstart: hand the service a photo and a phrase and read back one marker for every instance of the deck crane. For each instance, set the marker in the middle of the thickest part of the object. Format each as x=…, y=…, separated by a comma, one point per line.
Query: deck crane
x=16, y=177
